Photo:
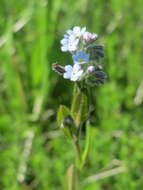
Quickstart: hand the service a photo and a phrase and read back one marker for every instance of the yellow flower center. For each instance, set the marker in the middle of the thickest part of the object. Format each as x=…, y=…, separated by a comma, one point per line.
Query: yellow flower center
x=78, y=35
x=81, y=60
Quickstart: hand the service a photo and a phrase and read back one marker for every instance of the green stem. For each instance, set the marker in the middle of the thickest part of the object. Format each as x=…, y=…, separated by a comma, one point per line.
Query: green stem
x=78, y=152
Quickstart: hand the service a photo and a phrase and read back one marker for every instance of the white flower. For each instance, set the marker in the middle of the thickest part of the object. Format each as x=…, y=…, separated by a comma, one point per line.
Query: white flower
x=73, y=73
x=70, y=41
x=81, y=57
x=77, y=32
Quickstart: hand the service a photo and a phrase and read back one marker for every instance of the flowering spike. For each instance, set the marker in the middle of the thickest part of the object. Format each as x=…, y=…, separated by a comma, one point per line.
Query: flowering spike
x=79, y=42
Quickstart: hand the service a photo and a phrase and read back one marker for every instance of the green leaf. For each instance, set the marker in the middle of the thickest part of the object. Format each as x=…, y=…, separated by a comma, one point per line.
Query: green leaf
x=62, y=113
x=63, y=119
x=80, y=107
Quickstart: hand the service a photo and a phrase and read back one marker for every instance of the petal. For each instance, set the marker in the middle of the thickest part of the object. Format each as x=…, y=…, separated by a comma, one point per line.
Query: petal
x=67, y=75
x=75, y=57
x=83, y=30
x=64, y=48
x=76, y=29
x=76, y=41
x=74, y=78
x=64, y=41
x=76, y=67
x=83, y=55
x=68, y=68
x=66, y=36
x=87, y=56
x=70, y=32
x=71, y=38
x=72, y=47
x=80, y=54
x=79, y=73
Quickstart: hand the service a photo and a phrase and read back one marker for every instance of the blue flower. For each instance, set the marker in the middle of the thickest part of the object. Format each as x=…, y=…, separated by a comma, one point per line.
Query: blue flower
x=81, y=58
x=73, y=73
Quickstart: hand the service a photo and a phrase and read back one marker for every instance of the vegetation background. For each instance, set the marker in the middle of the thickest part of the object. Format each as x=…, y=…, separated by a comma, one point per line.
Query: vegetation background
x=34, y=155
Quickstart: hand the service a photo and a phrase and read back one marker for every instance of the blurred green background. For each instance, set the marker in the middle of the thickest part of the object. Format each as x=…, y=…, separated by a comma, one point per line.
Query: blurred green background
x=34, y=155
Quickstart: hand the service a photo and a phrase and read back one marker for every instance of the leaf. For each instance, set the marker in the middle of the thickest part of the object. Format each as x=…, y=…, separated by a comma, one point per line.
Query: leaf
x=62, y=113
x=65, y=121
x=79, y=108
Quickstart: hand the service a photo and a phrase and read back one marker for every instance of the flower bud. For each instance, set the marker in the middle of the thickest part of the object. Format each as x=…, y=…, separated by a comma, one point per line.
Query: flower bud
x=92, y=68
x=96, y=52
x=100, y=75
x=68, y=121
x=90, y=37
x=68, y=126
x=58, y=68
x=95, y=75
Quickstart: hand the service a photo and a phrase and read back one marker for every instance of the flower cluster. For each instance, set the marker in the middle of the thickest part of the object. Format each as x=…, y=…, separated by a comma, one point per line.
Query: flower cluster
x=85, y=55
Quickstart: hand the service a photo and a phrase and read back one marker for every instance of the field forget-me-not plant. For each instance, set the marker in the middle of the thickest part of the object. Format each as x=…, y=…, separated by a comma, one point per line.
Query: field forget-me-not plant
x=86, y=72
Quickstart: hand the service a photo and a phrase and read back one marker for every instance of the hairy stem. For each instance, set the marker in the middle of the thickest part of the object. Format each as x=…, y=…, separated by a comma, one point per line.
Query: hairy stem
x=78, y=151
